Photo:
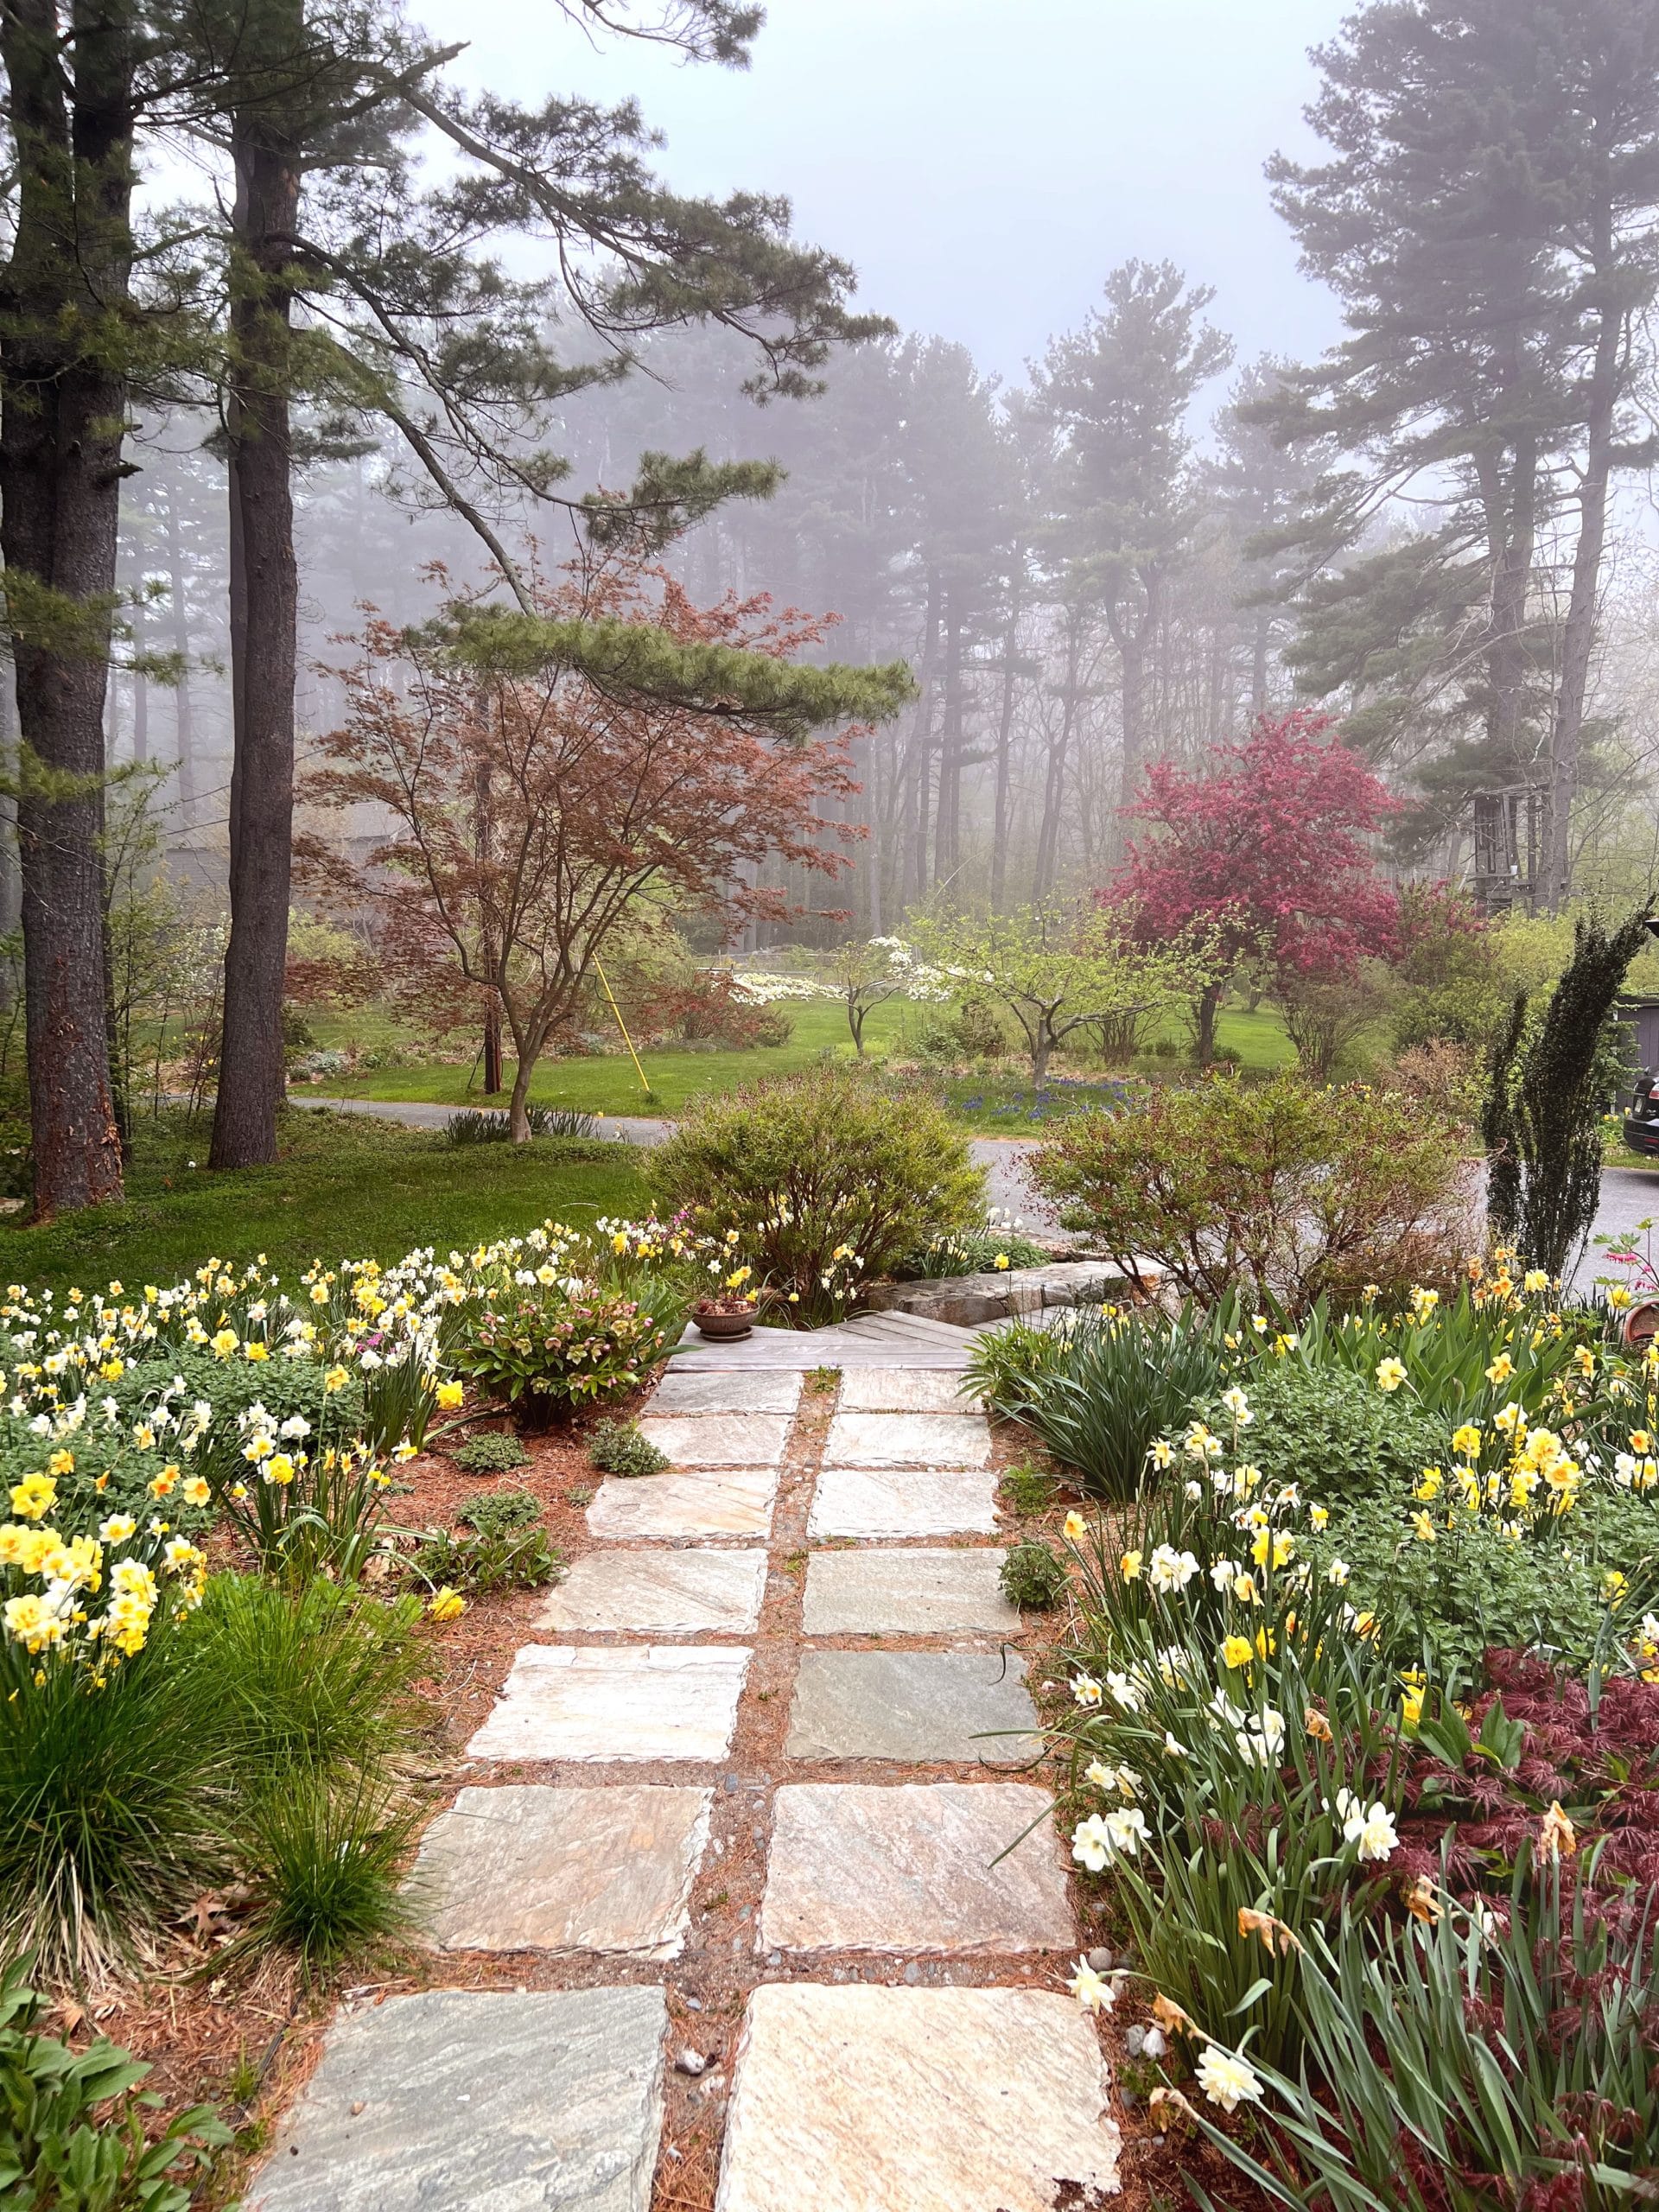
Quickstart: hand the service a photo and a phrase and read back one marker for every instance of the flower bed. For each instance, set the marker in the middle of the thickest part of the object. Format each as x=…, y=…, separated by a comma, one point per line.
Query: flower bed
x=1371, y=1781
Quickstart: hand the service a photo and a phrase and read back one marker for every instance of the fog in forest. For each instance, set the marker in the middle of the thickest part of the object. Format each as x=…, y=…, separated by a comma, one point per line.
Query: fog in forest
x=1094, y=487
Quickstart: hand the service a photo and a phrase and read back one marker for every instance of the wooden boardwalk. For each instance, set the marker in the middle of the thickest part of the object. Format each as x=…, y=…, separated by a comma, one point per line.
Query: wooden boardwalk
x=870, y=1340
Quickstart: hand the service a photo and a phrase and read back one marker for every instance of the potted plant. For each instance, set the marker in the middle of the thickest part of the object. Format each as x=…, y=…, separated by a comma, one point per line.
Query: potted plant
x=724, y=1316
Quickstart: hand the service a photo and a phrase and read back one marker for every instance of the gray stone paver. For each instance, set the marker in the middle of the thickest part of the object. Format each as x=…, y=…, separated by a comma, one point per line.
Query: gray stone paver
x=914, y=1866
x=659, y=1592
x=916, y=2100
x=616, y=1701
x=718, y=1439
x=959, y=1440
x=751, y=1390
x=944, y=1707
x=682, y=1508
x=476, y=2101
x=909, y=1593
x=887, y=1501
x=528, y=1868
x=905, y=1390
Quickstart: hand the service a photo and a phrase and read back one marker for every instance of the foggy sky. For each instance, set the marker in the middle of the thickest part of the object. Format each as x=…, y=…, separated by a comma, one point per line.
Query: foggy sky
x=982, y=162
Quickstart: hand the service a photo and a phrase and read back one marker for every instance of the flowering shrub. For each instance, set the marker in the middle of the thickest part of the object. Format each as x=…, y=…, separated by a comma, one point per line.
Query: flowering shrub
x=547, y=1337
x=820, y=1182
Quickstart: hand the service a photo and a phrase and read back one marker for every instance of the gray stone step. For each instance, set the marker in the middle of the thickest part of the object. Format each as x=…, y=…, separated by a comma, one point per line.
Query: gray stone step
x=476, y=2101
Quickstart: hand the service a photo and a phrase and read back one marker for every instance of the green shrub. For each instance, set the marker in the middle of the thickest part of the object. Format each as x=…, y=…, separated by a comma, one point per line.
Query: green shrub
x=324, y=1860
x=1444, y=1604
x=1119, y=1382
x=491, y=1451
x=1281, y=1189
x=824, y=1183
x=72, y=2135
x=1332, y=1430
x=616, y=1447
x=1005, y=1364
x=1034, y=1576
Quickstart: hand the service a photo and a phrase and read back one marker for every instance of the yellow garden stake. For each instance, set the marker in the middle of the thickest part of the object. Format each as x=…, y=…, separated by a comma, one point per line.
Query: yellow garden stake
x=623, y=1027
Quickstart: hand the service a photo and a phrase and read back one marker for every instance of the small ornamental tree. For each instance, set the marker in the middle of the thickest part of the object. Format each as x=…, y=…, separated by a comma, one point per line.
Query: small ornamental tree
x=541, y=778
x=1260, y=855
x=1060, y=969
x=866, y=976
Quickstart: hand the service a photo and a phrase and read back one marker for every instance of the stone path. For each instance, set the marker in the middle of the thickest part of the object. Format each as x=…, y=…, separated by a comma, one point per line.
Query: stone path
x=783, y=1673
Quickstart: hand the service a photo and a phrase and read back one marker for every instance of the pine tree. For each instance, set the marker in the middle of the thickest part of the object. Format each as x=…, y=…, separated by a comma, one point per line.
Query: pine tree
x=1486, y=217
x=1117, y=392
x=405, y=318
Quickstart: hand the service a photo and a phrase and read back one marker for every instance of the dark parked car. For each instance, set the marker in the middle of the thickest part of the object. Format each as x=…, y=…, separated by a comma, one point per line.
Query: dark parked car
x=1642, y=1122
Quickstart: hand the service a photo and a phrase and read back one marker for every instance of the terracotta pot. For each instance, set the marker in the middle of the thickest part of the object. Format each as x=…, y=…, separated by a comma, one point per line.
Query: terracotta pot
x=722, y=1327
x=1641, y=1324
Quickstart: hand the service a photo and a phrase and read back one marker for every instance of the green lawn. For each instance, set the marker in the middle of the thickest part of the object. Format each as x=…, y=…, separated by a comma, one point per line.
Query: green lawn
x=606, y=1083
x=347, y=1187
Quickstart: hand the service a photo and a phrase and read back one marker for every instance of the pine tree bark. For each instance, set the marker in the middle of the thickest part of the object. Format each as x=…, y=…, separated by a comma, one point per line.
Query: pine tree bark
x=1048, y=837
x=947, y=830
x=1579, y=632
x=263, y=616
x=184, y=724
x=61, y=421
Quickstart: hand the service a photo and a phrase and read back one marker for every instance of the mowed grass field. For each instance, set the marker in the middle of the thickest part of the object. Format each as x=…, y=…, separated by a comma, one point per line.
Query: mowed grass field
x=346, y=1187
x=607, y=1083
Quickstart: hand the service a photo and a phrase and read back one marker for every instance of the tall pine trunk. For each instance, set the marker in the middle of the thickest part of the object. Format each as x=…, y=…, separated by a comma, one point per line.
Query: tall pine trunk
x=61, y=424
x=1579, y=632
x=264, y=615
x=184, y=721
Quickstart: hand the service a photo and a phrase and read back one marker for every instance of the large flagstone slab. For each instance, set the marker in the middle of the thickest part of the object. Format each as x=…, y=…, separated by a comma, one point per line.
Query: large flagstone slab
x=679, y=1509
x=919, y=1866
x=909, y=1593
x=462, y=2100
x=659, y=1592
x=922, y=1439
x=718, y=1439
x=739, y=1390
x=950, y=1708
x=916, y=2100
x=894, y=1502
x=905, y=1390
x=529, y=1868
x=616, y=1701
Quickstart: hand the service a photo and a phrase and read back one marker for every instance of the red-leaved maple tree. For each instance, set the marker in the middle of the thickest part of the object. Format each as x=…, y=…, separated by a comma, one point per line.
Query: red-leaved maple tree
x=530, y=783
x=1261, y=855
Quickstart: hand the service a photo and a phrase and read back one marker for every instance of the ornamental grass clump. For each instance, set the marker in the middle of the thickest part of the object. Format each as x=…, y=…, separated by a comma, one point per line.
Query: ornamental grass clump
x=820, y=1184
x=1108, y=1384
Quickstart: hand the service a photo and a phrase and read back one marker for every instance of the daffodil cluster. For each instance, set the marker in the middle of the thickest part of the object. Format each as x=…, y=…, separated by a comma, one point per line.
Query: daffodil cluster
x=87, y=1601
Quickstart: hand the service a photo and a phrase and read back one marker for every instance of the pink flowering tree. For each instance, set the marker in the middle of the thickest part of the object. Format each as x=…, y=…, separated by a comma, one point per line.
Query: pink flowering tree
x=1262, y=853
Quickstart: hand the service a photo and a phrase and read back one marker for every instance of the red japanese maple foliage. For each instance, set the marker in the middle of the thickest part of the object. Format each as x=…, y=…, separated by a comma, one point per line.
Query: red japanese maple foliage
x=516, y=818
x=1262, y=853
